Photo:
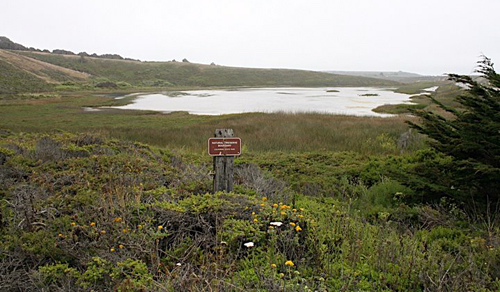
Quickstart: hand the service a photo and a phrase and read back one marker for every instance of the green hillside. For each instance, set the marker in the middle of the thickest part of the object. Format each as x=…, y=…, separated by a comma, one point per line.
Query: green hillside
x=14, y=80
x=31, y=70
x=19, y=74
x=138, y=73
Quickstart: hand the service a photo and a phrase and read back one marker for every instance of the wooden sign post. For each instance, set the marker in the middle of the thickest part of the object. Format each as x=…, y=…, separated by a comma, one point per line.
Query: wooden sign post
x=223, y=148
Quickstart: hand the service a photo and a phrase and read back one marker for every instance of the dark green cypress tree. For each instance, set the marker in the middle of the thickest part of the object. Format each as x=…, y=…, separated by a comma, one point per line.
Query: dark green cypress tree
x=471, y=137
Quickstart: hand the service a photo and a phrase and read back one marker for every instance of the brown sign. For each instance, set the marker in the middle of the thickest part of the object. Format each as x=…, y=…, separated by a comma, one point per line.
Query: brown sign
x=224, y=146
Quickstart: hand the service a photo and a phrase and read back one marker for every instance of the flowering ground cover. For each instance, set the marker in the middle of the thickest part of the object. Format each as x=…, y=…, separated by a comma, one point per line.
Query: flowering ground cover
x=86, y=212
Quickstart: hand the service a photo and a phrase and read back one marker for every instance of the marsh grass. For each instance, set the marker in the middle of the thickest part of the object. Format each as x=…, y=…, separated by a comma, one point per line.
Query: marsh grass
x=259, y=131
x=280, y=132
x=445, y=93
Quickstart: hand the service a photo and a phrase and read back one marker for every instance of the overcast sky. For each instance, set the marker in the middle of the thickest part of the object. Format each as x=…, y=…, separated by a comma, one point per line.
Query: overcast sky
x=424, y=36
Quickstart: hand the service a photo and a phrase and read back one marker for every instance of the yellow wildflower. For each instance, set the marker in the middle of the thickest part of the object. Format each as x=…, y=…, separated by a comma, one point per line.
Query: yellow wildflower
x=120, y=246
x=264, y=199
x=281, y=203
x=103, y=231
x=298, y=228
x=301, y=209
x=295, y=210
x=139, y=226
x=271, y=227
x=92, y=223
x=73, y=223
x=275, y=205
x=291, y=223
x=283, y=213
x=160, y=227
x=289, y=263
x=273, y=266
x=112, y=249
x=253, y=213
x=124, y=230
x=60, y=235
x=283, y=207
x=300, y=216
x=255, y=220
x=262, y=205
x=118, y=219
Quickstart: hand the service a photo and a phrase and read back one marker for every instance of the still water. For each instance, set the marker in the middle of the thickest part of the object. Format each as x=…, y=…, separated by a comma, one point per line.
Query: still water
x=340, y=100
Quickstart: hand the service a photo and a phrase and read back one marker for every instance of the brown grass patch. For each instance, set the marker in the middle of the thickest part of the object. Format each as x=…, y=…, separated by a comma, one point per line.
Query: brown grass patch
x=37, y=67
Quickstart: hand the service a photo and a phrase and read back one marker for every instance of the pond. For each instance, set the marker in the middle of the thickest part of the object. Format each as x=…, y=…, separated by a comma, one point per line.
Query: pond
x=340, y=100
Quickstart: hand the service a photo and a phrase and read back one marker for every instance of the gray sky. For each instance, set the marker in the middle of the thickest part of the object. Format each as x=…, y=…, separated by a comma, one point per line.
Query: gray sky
x=424, y=36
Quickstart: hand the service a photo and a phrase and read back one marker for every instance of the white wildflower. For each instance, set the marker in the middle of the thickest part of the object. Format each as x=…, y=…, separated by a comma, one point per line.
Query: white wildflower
x=249, y=244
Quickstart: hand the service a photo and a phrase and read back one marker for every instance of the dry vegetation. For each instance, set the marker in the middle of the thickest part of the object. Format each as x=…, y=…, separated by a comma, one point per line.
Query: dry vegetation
x=43, y=70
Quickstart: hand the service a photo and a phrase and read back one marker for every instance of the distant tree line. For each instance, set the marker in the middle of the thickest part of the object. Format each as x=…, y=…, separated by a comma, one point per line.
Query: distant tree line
x=7, y=44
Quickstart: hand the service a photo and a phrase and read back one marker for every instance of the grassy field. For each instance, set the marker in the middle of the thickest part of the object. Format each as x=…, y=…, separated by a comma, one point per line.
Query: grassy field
x=14, y=80
x=259, y=131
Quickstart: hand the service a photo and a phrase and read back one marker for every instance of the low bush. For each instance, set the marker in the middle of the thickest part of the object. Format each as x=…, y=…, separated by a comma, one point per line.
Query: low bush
x=128, y=217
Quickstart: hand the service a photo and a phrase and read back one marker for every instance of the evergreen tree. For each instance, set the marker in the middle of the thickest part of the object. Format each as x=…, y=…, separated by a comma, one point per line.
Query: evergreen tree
x=471, y=138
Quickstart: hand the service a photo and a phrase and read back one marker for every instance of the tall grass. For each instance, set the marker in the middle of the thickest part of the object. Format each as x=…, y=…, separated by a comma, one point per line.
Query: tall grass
x=259, y=131
x=283, y=132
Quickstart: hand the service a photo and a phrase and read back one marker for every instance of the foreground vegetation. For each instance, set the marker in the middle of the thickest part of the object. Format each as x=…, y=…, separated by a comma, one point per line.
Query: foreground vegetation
x=85, y=212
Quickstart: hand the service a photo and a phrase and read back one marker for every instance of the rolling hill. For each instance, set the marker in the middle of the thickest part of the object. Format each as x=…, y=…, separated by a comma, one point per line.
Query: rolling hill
x=33, y=70
x=399, y=76
x=190, y=74
x=19, y=73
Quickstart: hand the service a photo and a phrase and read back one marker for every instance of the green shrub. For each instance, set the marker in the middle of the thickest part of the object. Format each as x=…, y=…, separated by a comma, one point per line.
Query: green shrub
x=383, y=197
